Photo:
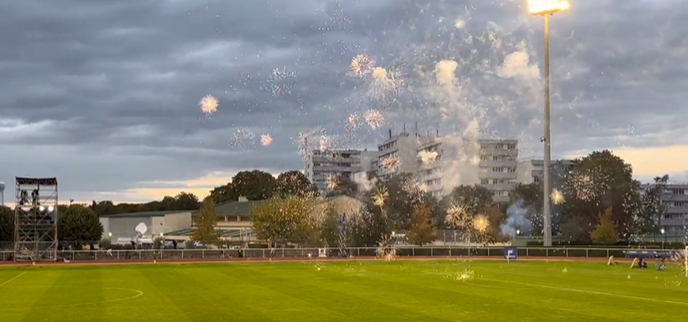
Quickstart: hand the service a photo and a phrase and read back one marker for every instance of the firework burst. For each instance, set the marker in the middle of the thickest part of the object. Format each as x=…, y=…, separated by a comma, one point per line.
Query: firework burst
x=380, y=196
x=282, y=81
x=353, y=121
x=481, y=224
x=385, y=249
x=305, y=141
x=427, y=157
x=385, y=83
x=265, y=139
x=390, y=164
x=331, y=181
x=208, y=104
x=374, y=118
x=243, y=138
x=458, y=217
x=557, y=197
x=362, y=65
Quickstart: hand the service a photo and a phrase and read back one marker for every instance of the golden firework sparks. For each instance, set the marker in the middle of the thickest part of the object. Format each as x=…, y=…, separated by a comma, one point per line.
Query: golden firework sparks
x=362, y=65
x=379, y=73
x=481, y=224
x=265, y=139
x=380, y=196
x=458, y=216
x=331, y=181
x=557, y=197
x=209, y=104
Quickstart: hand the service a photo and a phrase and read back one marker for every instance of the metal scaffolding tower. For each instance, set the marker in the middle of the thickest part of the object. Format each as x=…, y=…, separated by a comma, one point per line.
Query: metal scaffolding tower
x=35, y=221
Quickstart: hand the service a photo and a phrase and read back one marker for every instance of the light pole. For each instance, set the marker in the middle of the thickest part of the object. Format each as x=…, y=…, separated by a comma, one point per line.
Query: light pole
x=663, y=236
x=545, y=8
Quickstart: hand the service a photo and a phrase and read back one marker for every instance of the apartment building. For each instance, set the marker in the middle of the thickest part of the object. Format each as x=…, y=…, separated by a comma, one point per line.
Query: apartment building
x=497, y=167
x=532, y=170
x=321, y=165
x=455, y=161
x=675, y=218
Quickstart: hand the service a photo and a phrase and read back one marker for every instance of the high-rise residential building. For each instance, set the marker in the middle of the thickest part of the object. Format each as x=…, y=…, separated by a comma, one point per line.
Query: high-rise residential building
x=498, y=161
x=442, y=163
x=324, y=166
x=674, y=219
x=532, y=170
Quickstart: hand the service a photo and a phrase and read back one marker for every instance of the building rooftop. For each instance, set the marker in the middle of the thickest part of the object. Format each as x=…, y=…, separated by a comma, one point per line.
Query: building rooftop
x=144, y=214
x=233, y=208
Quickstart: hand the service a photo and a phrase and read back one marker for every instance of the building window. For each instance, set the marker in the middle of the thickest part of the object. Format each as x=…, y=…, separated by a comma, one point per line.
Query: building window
x=484, y=181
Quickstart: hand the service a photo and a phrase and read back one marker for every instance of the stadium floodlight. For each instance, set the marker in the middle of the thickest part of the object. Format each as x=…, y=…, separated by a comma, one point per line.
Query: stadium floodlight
x=50, y=209
x=41, y=208
x=547, y=7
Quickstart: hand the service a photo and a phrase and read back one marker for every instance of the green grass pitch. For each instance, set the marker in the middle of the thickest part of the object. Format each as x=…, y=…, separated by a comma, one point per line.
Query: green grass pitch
x=344, y=291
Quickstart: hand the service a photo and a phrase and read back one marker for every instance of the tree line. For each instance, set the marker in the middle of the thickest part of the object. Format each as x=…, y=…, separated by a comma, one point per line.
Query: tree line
x=595, y=200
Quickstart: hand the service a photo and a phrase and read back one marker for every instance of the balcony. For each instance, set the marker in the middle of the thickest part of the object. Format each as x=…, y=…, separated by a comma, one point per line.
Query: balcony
x=499, y=152
x=497, y=175
x=498, y=164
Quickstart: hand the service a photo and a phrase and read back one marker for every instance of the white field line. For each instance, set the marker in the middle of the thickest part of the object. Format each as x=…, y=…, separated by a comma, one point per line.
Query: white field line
x=575, y=290
x=12, y=279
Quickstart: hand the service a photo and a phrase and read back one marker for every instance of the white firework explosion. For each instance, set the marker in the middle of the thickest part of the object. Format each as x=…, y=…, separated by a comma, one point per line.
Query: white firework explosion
x=390, y=164
x=458, y=217
x=384, y=83
x=324, y=143
x=208, y=104
x=265, y=139
x=353, y=121
x=374, y=118
x=282, y=81
x=362, y=65
x=427, y=157
x=307, y=141
x=385, y=249
x=243, y=138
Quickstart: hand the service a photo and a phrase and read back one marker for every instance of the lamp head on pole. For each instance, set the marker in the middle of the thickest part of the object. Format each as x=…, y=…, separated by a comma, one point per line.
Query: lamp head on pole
x=662, y=231
x=547, y=7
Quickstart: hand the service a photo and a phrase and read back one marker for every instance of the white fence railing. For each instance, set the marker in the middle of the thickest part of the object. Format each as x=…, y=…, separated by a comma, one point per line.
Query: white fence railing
x=250, y=253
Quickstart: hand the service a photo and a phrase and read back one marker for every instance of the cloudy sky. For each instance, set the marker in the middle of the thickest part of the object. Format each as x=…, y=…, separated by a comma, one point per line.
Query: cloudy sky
x=104, y=94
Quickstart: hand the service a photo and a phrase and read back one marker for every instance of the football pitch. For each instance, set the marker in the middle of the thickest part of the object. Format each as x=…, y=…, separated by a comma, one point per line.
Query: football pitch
x=344, y=291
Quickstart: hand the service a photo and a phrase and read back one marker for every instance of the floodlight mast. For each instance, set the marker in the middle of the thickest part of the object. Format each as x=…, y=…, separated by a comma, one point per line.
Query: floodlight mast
x=35, y=221
x=545, y=8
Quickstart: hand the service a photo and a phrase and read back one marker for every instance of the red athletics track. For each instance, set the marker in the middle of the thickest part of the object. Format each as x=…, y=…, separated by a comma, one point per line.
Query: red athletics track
x=301, y=260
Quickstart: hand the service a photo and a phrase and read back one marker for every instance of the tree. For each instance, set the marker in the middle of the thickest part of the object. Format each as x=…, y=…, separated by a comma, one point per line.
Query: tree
x=575, y=228
x=422, y=230
x=331, y=228
x=223, y=194
x=599, y=181
x=206, y=232
x=655, y=203
x=185, y=201
x=288, y=219
x=605, y=232
x=6, y=224
x=473, y=198
x=254, y=185
x=292, y=183
x=79, y=224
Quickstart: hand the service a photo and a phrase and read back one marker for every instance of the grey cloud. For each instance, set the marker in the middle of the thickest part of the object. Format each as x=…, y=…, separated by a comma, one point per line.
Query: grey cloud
x=118, y=82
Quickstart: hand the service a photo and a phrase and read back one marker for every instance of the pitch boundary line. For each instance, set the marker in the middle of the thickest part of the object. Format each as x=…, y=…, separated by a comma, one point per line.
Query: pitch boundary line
x=576, y=290
x=12, y=279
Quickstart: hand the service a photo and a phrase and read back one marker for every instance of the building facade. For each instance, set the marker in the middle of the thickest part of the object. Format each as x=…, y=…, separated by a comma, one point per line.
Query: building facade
x=442, y=163
x=120, y=228
x=323, y=166
x=532, y=170
x=674, y=220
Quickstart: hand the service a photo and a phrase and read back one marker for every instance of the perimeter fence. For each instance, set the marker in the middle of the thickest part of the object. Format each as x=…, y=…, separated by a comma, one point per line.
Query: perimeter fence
x=296, y=253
